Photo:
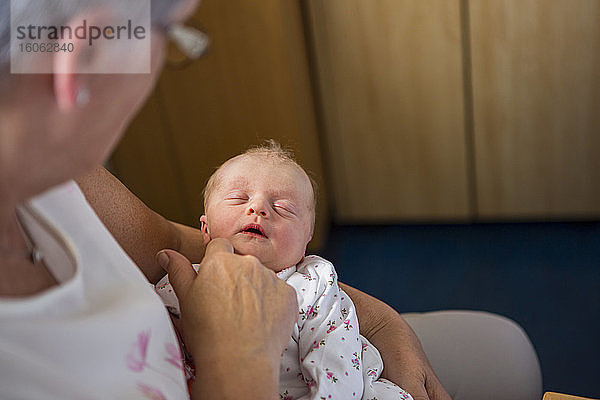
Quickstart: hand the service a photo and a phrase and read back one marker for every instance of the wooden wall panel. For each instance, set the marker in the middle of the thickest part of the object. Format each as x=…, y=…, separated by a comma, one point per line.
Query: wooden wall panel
x=536, y=91
x=390, y=81
x=146, y=162
x=252, y=85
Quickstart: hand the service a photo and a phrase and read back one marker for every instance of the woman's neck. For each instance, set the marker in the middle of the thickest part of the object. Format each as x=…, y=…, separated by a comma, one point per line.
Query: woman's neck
x=12, y=243
x=20, y=276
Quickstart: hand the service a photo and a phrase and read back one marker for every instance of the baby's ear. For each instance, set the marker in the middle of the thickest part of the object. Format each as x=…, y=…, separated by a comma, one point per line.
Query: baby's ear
x=204, y=229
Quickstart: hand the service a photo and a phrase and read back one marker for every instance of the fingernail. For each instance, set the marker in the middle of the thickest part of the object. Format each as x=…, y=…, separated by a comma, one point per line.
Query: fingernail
x=163, y=259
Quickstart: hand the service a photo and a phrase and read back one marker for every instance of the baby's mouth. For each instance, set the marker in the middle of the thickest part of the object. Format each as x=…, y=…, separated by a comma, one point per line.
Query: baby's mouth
x=254, y=230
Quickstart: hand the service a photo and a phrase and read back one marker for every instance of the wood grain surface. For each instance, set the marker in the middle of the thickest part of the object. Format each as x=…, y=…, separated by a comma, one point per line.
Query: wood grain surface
x=559, y=396
x=536, y=84
x=390, y=83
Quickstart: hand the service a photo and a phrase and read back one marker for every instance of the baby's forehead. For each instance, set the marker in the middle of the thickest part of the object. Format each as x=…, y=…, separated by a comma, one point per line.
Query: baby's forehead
x=282, y=176
x=248, y=168
x=273, y=188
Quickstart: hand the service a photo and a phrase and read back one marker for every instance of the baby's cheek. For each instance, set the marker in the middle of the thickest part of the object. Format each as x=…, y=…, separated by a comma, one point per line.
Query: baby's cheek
x=220, y=231
x=291, y=249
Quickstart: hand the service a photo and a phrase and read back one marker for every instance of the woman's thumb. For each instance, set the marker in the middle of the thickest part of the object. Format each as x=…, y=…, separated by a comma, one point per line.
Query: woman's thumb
x=180, y=270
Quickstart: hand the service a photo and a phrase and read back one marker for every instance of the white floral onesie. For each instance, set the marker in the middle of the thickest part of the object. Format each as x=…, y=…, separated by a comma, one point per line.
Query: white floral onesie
x=326, y=357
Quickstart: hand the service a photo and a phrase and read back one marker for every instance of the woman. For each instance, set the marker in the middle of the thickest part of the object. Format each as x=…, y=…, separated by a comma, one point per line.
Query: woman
x=78, y=319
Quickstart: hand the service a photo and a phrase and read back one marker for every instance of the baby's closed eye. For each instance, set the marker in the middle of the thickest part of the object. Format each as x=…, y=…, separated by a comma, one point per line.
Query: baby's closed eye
x=236, y=198
x=284, y=208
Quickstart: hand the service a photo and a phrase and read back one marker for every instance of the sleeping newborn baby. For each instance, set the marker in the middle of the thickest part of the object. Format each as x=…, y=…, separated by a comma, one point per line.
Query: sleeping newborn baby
x=264, y=203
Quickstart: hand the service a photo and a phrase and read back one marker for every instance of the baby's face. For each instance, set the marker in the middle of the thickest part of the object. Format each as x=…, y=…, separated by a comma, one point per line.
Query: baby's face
x=264, y=207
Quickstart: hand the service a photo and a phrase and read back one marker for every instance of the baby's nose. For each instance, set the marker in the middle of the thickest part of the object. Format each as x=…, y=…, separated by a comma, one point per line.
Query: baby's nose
x=257, y=209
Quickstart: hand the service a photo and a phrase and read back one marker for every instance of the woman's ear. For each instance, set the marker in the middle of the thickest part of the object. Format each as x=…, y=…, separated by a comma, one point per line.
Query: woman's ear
x=204, y=229
x=70, y=87
x=97, y=47
x=69, y=90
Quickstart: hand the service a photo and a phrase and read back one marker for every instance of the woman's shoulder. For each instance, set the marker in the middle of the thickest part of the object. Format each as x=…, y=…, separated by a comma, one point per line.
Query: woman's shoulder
x=65, y=191
x=63, y=205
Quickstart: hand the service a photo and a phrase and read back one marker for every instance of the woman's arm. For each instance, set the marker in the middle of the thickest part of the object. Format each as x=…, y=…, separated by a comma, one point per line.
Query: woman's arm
x=404, y=360
x=139, y=230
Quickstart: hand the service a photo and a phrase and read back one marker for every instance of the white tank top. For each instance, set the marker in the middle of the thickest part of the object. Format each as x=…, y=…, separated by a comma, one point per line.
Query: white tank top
x=102, y=333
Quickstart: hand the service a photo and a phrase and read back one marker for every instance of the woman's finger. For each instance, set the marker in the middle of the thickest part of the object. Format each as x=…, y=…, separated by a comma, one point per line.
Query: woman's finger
x=180, y=270
x=218, y=246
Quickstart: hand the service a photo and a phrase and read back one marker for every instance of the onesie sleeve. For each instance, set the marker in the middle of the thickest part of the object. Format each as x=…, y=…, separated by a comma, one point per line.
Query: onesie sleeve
x=329, y=343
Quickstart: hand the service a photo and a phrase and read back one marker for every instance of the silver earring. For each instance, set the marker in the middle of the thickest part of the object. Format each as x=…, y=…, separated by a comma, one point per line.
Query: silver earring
x=83, y=97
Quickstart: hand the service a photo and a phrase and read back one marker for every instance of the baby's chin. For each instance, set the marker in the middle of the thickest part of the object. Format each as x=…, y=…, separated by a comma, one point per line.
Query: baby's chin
x=262, y=251
x=274, y=265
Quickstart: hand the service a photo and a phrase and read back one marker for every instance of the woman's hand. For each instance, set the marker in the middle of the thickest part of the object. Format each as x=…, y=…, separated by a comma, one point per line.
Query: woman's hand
x=237, y=319
x=404, y=360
